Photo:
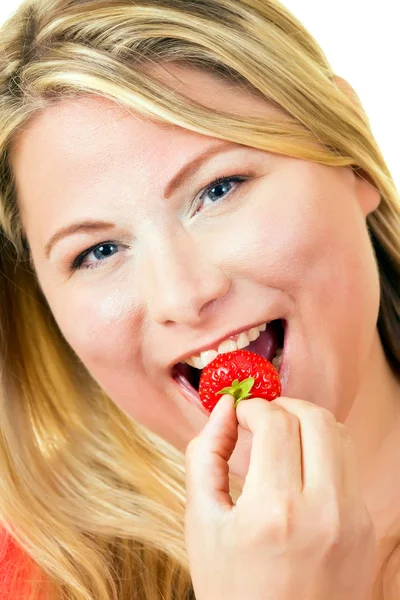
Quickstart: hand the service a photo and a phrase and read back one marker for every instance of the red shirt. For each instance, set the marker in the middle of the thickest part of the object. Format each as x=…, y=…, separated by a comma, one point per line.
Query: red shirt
x=16, y=570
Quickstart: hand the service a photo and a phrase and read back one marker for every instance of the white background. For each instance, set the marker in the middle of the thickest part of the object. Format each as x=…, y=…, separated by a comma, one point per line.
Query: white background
x=360, y=38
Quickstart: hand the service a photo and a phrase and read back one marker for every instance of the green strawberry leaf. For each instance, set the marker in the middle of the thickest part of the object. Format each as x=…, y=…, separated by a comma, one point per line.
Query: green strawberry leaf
x=247, y=385
x=240, y=390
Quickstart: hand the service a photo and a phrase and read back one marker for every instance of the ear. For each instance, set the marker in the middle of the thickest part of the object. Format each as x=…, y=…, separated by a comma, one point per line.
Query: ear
x=369, y=197
x=349, y=91
x=367, y=193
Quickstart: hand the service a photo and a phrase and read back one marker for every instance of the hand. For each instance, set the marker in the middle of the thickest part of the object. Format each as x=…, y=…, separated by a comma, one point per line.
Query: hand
x=300, y=528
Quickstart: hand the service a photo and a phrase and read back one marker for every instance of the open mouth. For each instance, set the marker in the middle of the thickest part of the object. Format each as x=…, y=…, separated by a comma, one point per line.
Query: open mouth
x=267, y=341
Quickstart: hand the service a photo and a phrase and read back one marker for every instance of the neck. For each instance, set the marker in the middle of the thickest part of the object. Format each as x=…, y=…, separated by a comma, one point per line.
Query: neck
x=374, y=423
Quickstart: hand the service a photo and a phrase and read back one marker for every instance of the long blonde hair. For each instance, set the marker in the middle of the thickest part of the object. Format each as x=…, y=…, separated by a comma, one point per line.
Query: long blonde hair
x=95, y=500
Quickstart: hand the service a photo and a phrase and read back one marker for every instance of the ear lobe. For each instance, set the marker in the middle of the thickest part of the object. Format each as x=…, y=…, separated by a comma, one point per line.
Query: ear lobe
x=369, y=197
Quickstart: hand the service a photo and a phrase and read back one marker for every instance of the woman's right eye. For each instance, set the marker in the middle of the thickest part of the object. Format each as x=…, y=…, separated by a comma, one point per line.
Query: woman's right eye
x=92, y=257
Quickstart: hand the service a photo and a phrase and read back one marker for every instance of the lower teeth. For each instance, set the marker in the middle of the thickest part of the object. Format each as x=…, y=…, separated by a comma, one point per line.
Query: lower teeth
x=277, y=360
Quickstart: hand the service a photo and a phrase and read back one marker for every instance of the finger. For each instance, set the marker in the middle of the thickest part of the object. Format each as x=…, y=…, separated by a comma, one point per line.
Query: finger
x=275, y=460
x=320, y=444
x=207, y=470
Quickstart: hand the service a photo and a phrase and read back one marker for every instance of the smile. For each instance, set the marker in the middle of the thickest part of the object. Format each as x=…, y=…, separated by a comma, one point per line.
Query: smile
x=236, y=342
x=266, y=340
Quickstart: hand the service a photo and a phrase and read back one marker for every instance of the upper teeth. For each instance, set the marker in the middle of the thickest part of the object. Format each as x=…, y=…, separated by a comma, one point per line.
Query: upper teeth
x=229, y=345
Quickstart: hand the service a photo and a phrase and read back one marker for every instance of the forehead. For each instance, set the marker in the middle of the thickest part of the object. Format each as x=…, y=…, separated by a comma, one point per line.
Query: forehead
x=87, y=134
x=79, y=129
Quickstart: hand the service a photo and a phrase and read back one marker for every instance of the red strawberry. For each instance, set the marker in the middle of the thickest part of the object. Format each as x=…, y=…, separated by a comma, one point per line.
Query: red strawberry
x=242, y=374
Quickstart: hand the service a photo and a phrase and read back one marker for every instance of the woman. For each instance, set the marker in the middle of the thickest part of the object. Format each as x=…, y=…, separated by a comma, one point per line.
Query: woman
x=125, y=254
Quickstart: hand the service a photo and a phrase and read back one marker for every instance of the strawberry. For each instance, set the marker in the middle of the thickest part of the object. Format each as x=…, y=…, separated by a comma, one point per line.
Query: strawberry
x=242, y=374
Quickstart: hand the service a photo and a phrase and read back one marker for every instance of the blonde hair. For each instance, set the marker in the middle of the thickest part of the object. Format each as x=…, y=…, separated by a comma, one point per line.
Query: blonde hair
x=94, y=499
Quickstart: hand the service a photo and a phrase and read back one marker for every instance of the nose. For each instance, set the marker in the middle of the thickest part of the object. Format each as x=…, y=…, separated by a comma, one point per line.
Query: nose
x=180, y=284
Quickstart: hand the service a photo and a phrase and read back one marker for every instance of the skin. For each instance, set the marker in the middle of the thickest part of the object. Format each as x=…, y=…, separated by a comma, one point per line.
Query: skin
x=291, y=242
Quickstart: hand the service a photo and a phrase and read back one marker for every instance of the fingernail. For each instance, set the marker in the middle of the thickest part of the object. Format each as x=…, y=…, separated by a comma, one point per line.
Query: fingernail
x=220, y=403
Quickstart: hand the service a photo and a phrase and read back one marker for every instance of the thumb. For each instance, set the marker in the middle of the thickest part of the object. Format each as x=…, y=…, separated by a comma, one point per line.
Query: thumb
x=207, y=456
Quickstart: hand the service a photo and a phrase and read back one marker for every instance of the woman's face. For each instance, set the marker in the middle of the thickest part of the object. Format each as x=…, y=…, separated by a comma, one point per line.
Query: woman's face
x=143, y=269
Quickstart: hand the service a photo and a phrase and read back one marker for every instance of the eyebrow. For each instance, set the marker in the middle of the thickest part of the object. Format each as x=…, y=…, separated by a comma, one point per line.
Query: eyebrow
x=82, y=227
x=185, y=172
x=192, y=166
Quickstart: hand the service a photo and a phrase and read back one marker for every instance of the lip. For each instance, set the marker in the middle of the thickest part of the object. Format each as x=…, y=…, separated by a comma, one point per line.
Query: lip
x=285, y=365
x=214, y=344
x=189, y=393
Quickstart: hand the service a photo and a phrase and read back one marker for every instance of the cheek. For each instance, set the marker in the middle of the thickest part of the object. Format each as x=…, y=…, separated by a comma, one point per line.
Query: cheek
x=104, y=330
x=315, y=247
x=281, y=231
x=100, y=327
x=303, y=232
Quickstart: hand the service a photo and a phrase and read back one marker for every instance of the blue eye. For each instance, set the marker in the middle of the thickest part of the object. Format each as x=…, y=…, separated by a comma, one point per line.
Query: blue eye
x=91, y=257
x=219, y=188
